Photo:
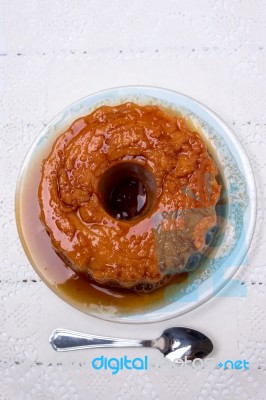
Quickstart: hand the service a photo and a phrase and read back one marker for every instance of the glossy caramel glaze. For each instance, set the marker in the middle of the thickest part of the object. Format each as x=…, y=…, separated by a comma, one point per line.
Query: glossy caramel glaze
x=137, y=251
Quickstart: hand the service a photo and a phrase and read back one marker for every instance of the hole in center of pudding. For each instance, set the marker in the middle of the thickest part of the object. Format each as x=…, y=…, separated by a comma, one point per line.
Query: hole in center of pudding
x=127, y=190
x=128, y=198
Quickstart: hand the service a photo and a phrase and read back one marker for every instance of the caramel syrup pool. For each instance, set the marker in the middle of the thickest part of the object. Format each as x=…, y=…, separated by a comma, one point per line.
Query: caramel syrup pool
x=77, y=290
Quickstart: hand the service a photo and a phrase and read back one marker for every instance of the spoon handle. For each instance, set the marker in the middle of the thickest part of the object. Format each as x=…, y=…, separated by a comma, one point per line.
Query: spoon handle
x=65, y=340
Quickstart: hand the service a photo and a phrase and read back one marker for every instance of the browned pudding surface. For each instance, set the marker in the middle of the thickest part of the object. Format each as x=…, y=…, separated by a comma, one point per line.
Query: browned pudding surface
x=127, y=195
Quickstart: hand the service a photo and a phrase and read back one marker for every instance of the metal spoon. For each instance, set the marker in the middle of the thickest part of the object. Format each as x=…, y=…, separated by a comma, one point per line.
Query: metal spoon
x=174, y=343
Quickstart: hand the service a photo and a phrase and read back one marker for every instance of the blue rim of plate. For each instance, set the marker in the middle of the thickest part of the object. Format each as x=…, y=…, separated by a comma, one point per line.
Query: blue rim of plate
x=240, y=213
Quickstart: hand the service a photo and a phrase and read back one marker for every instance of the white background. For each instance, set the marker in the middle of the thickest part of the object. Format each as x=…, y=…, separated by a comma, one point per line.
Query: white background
x=51, y=54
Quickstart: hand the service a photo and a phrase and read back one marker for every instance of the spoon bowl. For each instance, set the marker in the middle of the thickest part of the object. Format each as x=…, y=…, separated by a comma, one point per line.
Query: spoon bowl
x=185, y=343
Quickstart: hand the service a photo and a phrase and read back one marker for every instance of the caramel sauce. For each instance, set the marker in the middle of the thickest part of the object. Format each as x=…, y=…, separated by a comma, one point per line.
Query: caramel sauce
x=76, y=289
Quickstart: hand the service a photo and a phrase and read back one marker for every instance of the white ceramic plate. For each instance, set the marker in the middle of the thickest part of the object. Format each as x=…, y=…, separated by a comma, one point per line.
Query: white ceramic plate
x=238, y=210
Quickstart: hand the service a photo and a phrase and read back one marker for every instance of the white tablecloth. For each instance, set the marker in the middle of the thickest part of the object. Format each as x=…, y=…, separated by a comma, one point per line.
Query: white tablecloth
x=54, y=52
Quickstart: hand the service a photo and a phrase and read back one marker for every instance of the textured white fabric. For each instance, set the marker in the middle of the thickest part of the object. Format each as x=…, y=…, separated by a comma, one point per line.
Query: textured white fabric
x=52, y=53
